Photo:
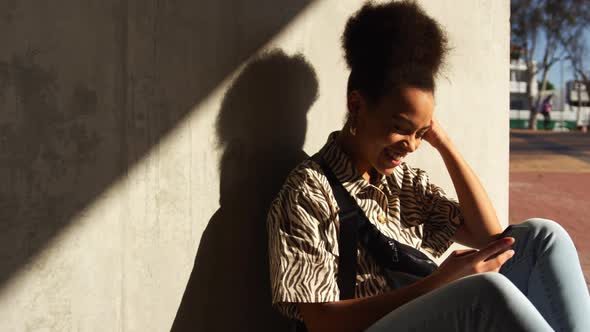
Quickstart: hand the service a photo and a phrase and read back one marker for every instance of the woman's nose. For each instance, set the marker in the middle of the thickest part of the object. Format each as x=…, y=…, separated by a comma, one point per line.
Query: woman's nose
x=411, y=143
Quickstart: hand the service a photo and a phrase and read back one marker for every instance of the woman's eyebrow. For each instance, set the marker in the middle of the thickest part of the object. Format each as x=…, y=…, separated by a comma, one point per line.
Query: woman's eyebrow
x=410, y=122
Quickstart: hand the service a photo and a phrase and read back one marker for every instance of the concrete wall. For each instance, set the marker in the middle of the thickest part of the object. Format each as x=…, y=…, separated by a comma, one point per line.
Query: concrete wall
x=139, y=148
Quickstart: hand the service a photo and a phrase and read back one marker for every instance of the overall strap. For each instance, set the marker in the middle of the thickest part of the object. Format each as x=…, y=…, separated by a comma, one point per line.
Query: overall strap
x=349, y=226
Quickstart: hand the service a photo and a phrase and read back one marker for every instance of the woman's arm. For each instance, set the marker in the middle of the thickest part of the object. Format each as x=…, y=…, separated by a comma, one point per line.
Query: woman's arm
x=481, y=223
x=358, y=314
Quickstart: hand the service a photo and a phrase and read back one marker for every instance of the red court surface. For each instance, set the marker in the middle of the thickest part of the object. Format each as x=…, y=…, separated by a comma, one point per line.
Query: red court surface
x=550, y=178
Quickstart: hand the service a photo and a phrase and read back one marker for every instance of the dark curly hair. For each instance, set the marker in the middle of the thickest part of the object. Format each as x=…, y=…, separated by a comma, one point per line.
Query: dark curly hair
x=391, y=45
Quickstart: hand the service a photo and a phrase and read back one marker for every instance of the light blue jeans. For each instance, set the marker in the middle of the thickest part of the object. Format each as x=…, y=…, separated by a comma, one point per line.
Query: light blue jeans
x=541, y=288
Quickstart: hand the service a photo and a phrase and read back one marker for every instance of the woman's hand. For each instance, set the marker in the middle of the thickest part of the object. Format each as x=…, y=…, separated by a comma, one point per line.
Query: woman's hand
x=436, y=135
x=462, y=263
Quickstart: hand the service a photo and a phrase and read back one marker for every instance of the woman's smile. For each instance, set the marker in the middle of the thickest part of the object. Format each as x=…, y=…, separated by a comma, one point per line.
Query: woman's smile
x=394, y=158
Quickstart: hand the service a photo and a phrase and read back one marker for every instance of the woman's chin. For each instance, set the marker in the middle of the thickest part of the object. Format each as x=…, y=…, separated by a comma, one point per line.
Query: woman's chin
x=386, y=170
x=387, y=166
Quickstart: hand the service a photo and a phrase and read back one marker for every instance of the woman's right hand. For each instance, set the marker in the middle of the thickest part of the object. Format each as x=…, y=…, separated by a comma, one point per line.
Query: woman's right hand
x=466, y=262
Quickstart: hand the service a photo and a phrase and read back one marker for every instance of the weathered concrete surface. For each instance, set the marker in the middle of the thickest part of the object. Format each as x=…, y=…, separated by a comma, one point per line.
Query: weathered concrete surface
x=113, y=215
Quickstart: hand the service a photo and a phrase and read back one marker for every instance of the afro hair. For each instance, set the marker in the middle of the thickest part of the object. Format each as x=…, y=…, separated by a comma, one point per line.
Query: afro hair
x=392, y=44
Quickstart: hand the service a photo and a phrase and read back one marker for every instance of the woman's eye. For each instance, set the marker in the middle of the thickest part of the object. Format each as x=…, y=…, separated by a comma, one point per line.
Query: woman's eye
x=396, y=129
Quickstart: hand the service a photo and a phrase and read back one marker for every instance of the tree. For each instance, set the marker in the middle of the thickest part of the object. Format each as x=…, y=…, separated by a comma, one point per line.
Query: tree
x=577, y=51
x=574, y=43
x=529, y=20
x=549, y=86
x=577, y=48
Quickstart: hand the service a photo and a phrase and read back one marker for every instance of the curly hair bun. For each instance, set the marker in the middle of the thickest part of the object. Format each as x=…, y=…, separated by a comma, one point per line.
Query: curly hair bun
x=394, y=39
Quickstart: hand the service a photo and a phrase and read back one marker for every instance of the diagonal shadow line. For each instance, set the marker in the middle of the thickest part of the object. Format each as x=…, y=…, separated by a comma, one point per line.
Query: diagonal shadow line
x=67, y=132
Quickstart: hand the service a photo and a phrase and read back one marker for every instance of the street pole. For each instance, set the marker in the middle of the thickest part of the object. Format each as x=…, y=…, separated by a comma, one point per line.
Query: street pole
x=562, y=93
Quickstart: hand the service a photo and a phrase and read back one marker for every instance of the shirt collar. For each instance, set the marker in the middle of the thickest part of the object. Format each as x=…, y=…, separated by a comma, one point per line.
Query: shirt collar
x=345, y=171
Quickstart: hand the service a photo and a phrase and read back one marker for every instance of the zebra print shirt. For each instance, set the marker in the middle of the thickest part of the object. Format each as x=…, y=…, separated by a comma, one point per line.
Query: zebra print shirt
x=302, y=226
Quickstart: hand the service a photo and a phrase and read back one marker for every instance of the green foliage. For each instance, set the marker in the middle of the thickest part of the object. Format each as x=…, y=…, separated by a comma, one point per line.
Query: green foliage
x=531, y=19
x=549, y=86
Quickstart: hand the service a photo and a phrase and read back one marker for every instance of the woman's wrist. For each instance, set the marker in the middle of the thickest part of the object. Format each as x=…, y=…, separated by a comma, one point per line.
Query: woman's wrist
x=433, y=281
x=443, y=146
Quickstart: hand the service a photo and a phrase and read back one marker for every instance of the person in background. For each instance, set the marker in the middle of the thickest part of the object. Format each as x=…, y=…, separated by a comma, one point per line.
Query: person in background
x=546, y=108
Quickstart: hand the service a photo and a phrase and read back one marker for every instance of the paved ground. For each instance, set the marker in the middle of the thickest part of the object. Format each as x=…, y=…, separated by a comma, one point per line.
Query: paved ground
x=550, y=178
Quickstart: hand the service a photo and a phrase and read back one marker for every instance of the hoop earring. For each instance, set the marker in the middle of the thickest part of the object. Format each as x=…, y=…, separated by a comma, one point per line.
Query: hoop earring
x=352, y=131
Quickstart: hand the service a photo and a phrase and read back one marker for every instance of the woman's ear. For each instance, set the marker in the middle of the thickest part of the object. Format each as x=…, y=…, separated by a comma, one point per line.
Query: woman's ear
x=356, y=104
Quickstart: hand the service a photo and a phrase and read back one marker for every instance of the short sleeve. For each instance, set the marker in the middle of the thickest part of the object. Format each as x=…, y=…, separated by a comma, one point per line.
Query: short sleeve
x=442, y=214
x=301, y=267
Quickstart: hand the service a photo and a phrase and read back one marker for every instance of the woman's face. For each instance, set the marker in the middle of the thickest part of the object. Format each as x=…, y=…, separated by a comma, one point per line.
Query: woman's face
x=393, y=127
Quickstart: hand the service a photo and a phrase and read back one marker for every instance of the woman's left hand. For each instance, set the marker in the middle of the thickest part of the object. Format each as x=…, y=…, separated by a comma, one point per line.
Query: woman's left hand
x=436, y=135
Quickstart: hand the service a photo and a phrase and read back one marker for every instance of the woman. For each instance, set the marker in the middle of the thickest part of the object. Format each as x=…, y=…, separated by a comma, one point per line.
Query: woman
x=546, y=108
x=394, y=51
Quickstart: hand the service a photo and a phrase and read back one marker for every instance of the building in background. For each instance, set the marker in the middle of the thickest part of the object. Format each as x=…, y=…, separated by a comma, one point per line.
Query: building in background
x=576, y=94
x=519, y=102
x=518, y=85
x=577, y=104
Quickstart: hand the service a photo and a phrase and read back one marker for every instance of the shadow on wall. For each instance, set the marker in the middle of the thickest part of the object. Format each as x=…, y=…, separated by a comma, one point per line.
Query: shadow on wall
x=261, y=128
x=82, y=101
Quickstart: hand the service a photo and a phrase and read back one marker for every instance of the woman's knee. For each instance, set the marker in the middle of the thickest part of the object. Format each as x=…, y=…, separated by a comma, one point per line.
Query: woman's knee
x=494, y=282
x=500, y=298
x=490, y=287
x=547, y=229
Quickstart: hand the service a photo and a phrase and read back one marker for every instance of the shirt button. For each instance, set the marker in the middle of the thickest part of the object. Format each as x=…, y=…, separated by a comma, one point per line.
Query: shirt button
x=381, y=219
